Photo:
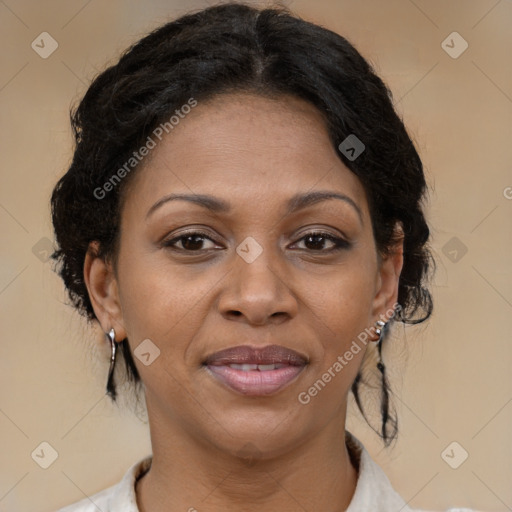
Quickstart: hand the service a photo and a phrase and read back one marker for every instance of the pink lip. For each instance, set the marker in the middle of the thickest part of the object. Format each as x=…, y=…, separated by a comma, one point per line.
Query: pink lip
x=256, y=382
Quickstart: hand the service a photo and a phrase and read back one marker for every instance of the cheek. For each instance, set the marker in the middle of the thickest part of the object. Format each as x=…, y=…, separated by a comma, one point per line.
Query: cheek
x=345, y=296
x=164, y=303
x=342, y=312
x=341, y=304
x=152, y=300
x=159, y=307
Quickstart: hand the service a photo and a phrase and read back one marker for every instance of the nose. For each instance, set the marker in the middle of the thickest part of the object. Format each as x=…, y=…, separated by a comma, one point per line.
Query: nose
x=258, y=292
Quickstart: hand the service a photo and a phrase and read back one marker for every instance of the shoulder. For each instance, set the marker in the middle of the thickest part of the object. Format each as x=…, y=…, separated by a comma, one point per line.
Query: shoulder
x=98, y=501
x=455, y=509
x=373, y=489
x=116, y=498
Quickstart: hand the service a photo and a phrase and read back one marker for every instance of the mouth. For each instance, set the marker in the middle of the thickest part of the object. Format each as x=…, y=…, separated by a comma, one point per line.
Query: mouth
x=256, y=371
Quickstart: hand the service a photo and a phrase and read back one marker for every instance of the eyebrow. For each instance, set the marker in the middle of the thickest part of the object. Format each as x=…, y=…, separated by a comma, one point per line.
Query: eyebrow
x=295, y=203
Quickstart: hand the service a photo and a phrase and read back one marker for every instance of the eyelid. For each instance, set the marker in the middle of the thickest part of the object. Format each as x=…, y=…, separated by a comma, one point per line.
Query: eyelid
x=322, y=230
x=166, y=242
x=340, y=241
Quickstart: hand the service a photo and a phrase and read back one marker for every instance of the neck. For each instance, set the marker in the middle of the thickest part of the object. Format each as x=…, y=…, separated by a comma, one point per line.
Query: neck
x=188, y=475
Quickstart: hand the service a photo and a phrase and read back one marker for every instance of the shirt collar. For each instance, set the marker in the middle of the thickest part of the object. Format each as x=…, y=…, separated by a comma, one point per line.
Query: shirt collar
x=373, y=488
x=123, y=497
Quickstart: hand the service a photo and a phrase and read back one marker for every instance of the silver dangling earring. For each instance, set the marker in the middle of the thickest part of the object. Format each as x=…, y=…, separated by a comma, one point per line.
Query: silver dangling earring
x=379, y=326
x=111, y=390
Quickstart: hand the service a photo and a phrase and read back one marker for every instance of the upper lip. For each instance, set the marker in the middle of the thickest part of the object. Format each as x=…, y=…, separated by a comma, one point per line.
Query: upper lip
x=245, y=354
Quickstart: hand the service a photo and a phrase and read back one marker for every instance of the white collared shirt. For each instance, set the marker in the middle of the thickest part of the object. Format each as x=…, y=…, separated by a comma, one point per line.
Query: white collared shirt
x=373, y=493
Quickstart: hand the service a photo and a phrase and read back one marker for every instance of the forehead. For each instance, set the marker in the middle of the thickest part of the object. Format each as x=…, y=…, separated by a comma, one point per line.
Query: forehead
x=247, y=149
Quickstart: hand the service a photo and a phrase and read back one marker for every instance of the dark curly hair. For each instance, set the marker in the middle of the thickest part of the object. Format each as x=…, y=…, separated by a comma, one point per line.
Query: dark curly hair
x=237, y=48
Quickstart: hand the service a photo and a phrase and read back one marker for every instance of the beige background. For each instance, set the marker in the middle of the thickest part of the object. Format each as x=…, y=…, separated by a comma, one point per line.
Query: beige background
x=452, y=376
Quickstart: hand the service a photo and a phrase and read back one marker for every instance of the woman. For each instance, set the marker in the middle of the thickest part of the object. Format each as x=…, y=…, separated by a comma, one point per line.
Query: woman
x=243, y=218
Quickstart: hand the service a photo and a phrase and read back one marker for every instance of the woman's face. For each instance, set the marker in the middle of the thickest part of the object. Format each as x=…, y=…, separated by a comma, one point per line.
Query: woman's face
x=256, y=273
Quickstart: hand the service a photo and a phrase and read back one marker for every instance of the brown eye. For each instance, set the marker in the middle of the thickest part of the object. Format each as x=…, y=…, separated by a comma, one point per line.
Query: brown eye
x=317, y=241
x=190, y=242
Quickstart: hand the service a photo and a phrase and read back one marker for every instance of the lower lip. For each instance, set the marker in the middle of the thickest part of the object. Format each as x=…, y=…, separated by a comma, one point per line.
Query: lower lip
x=255, y=382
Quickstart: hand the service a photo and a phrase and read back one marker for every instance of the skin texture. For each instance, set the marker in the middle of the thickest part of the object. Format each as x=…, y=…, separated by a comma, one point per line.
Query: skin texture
x=254, y=153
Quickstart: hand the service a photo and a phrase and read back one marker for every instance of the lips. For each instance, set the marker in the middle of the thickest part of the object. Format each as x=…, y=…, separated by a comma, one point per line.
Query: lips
x=256, y=371
x=244, y=354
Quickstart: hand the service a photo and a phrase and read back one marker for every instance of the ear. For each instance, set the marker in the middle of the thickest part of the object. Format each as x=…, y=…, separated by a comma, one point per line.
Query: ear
x=390, y=267
x=103, y=292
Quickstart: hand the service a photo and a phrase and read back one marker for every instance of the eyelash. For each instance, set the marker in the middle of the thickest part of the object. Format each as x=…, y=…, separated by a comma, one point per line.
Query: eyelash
x=339, y=243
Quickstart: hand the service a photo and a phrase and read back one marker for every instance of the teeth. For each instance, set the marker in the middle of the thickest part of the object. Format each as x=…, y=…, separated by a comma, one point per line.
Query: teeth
x=260, y=367
x=244, y=367
x=266, y=367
